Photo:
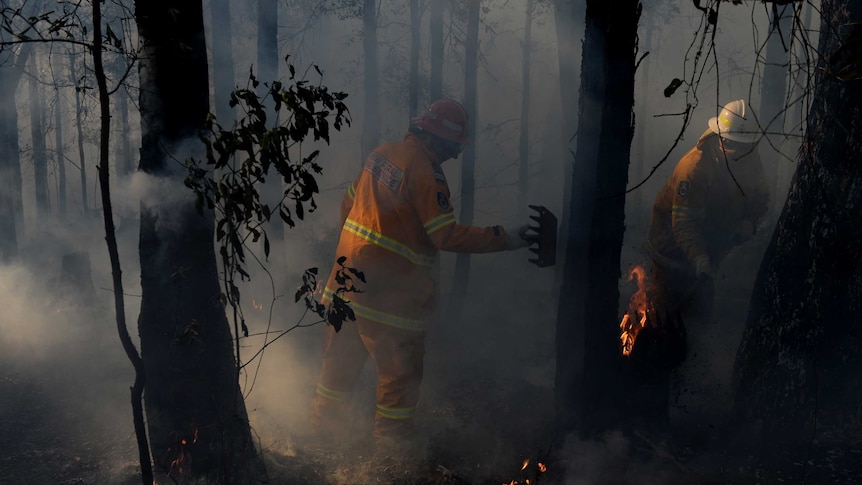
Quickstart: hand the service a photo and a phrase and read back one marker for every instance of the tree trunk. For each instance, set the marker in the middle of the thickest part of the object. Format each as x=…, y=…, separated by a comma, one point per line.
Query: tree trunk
x=796, y=369
x=589, y=297
x=524, y=142
x=61, y=157
x=436, y=82
x=567, y=15
x=125, y=161
x=773, y=90
x=196, y=417
x=10, y=168
x=267, y=62
x=371, y=125
x=636, y=199
x=222, y=53
x=79, y=123
x=468, y=160
x=114, y=254
x=37, y=138
x=413, y=75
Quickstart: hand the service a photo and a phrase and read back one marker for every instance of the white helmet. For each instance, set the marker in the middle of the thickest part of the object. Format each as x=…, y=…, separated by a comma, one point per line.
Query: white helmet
x=733, y=124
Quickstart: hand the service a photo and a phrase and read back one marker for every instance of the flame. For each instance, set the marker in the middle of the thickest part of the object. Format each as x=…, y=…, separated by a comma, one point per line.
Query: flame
x=256, y=305
x=181, y=456
x=539, y=466
x=636, y=317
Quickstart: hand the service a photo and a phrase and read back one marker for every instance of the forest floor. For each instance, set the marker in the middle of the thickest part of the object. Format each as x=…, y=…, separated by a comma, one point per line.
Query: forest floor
x=487, y=406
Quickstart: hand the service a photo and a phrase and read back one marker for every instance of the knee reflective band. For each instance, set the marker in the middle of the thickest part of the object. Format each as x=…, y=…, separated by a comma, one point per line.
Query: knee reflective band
x=330, y=394
x=396, y=413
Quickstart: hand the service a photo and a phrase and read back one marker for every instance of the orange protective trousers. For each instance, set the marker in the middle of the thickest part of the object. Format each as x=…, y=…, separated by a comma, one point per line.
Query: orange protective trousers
x=398, y=354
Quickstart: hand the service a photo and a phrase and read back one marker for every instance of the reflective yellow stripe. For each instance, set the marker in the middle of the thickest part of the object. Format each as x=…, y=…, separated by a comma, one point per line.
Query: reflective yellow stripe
x=725, y=120
x=688, y=212
x=396, y=413
x=351, y=191
x=439, y=222
x=384, y=242
x=330, y=394
x=378, y=316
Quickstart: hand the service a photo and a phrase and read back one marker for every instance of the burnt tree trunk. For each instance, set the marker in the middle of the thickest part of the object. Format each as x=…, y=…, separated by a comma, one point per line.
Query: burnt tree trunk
x=413, y=74
x=371, y=125
x=79, y=260
x=468, y=159
x=435, y=85
x=222, y=48
x=267, y=63
x=79, y=123
x=125, y=162
x=589, y=297
x=524, y=141
x=10, y=161
x=568, y=14
x=196, y=417
x=60, y=155
x=797, y=367
x=773, y=90
x=37, y=139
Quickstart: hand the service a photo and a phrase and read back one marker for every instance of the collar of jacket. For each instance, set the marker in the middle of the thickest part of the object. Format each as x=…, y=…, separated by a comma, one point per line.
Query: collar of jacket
x=411, y=138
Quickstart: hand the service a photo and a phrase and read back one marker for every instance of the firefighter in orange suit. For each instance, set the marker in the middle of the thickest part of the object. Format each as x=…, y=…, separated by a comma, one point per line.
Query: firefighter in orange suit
x=396, y=216
x=714, y=200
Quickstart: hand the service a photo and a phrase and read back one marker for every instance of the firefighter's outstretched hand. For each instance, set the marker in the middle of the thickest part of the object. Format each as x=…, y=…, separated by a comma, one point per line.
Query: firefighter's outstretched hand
x=703, y=268
x=515, y=237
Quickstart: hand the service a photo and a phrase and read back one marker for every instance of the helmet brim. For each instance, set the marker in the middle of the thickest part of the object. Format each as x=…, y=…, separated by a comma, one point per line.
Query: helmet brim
x=741, y=137
x=420, y=123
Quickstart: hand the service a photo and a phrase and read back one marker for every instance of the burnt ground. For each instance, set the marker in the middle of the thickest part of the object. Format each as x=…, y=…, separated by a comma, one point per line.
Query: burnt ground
x=487, y=407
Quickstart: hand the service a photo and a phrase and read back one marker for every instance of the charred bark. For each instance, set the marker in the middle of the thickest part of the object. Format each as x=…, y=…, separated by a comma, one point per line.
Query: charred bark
x=589, y=295
x=796, y=369
x=196, y=417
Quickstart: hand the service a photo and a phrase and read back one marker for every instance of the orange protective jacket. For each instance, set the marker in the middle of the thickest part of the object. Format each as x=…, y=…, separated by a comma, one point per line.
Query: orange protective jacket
x=701, y=208
x=396, y=217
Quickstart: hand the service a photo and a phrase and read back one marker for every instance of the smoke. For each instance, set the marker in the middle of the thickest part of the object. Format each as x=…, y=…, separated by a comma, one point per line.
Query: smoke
x=615, y=458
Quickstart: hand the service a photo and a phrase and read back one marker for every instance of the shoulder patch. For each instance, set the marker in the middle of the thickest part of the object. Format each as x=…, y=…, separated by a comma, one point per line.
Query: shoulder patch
x=439, y=175
x=684, y=188
x=383, y=170
x=443, y=201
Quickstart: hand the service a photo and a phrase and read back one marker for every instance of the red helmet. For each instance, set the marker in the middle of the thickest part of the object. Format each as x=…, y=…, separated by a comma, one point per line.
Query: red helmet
x=445, y=118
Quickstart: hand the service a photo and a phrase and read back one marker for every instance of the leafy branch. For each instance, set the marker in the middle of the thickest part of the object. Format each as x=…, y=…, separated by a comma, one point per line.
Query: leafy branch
x=239, y=160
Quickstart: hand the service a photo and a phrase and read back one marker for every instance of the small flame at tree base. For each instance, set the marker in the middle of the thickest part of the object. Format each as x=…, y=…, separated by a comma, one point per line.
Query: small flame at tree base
x=636, y=317
x=540, y=467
